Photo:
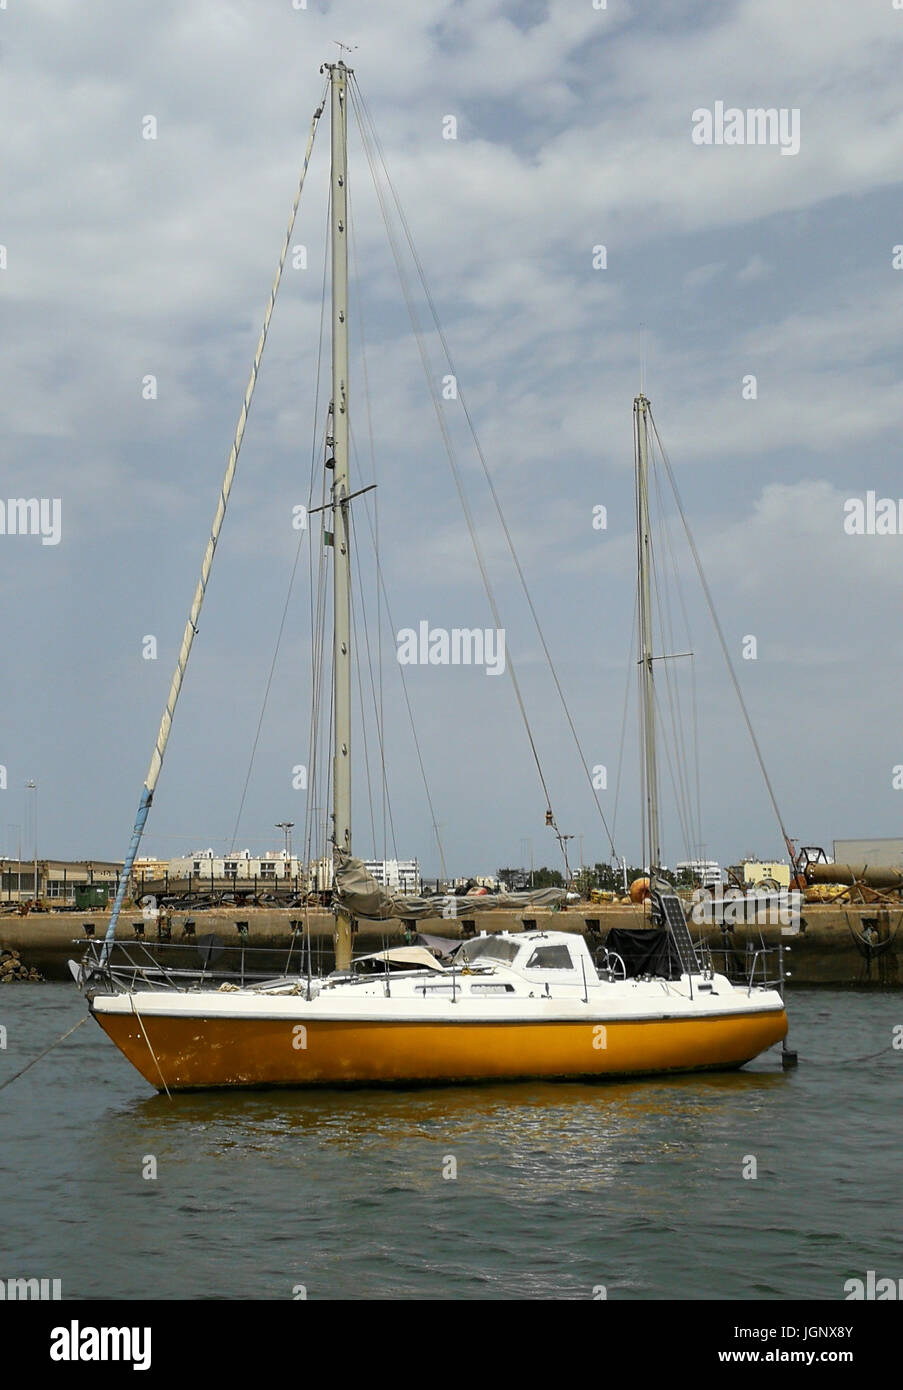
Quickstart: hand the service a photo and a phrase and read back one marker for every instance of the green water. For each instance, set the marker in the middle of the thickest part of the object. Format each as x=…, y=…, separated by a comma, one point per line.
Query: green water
x=559, y=1189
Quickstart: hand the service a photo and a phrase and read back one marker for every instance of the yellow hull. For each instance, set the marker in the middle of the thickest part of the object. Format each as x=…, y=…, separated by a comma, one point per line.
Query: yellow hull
x=194, y=1053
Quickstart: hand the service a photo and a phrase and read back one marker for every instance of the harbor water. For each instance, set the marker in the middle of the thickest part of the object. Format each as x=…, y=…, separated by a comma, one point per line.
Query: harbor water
x=764, y=1184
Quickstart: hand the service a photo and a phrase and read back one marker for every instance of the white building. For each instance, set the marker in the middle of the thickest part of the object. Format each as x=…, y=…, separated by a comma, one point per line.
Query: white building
x=241, y=864
x=320, y=875
x=707, y=872
x=396, y=875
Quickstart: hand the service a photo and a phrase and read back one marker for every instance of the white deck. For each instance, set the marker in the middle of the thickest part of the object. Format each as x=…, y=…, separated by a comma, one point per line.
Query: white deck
x=486, y=989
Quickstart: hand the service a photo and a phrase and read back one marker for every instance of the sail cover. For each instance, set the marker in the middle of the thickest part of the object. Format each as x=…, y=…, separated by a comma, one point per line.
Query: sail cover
x=357, y=892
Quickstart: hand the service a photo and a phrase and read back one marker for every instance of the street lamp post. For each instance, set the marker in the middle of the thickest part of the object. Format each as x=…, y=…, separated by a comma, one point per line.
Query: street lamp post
x=18, y=832
x=564, y=842
x=31, y=785
x=287, y=826
x=526, y=846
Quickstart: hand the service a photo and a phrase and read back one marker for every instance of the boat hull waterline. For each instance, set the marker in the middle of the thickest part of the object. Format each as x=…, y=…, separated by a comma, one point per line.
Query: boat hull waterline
x=190, y=1052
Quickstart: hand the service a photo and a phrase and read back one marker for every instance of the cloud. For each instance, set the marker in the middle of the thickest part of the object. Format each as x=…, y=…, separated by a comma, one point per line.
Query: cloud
x=756, y=268
x=129, y=257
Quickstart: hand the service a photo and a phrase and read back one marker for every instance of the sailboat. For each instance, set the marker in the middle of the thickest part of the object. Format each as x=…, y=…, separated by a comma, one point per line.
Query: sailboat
x=506, y=1005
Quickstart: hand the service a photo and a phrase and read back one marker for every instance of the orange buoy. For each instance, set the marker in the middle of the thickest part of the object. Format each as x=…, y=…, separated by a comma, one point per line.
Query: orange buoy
x=639, y=890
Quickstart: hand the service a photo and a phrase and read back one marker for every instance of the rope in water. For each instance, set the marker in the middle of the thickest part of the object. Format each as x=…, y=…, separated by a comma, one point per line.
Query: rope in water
x=10, y=1079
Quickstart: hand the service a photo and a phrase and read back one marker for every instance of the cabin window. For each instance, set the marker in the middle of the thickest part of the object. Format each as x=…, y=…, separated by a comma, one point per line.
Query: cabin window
x=493, y=947
x=550, y=958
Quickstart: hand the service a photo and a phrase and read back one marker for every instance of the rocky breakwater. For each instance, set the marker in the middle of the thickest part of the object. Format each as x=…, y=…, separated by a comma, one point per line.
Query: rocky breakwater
x=12, y=968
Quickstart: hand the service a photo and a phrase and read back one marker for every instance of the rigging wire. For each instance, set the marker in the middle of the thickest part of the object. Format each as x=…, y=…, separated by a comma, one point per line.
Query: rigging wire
x=642, y=670
x=724, y=649
x=317, y=598
x=483, y=462
x=364, y=740
x=407, y=699
x=379, y=729
x=319, y=767
x=269, y=682
x=365, y=377
x=627, y=683
x=373, y=150
x=673, y=764
x=677, y=587
x=191, y=626
x=677, y=767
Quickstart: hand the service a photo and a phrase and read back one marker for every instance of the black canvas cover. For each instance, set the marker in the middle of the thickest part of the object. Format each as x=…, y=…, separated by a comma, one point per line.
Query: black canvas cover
x=647, y=952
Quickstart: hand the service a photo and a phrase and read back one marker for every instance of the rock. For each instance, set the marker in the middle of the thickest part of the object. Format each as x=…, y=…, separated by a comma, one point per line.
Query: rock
x=12, y=968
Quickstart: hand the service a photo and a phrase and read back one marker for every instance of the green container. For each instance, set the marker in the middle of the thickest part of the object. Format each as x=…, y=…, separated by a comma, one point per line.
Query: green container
x=91, y=895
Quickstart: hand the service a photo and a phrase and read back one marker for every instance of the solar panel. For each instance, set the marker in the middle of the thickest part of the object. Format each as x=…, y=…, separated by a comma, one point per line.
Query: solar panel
x=675, y=920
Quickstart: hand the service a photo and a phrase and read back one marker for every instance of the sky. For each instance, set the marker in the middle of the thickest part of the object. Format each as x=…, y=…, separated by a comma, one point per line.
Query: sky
x=128, y=257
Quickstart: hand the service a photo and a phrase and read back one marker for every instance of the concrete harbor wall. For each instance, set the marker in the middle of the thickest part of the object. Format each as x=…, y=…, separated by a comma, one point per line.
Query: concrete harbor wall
x=838, y=946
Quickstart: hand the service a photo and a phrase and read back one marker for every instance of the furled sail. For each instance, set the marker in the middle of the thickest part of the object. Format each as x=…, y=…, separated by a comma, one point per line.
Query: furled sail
x=357, y=892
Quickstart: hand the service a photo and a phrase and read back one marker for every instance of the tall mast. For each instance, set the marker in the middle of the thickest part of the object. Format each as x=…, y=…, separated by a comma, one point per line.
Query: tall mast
x=341, y=776
x=644, y=563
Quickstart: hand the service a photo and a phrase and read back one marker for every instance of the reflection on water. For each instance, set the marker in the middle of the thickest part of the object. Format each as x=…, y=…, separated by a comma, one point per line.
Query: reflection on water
x=503, y=1190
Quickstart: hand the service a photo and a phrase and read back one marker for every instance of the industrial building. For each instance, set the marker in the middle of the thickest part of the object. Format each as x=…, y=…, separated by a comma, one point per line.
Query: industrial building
x=60, y=882
x=876, y=853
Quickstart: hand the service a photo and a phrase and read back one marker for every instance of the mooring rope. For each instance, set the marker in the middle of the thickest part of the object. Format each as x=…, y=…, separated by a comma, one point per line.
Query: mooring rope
x=10, y=1079
x=870, y=1057
x=149, y=1048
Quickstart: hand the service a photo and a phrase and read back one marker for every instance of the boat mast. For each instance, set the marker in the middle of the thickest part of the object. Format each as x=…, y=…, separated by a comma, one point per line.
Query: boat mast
x=341, y=654
x=644, y=562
